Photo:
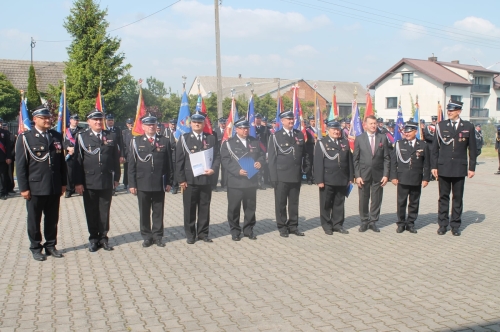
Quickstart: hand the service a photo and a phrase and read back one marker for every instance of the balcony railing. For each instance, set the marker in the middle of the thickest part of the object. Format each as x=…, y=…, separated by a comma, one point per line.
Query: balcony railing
x=480, y=88
x=479, y=112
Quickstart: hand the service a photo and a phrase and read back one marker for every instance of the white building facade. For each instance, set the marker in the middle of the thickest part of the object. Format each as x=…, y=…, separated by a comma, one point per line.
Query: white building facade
x=434, y=82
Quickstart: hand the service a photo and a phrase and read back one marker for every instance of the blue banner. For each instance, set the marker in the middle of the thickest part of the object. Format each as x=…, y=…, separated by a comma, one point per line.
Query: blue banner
x=184, y=118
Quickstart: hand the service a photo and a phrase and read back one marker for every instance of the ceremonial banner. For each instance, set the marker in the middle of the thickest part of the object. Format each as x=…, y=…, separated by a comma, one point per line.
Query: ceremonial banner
x=356, y=125
x=24, y=119
x=99, y=105
x=297, y=113
x=334, y=111
x=251, y=117
x=63, y=115
x=233, y=115
x=183, y=118
x=201, y=108
x=369, y=105
x=399, y=125
x=416, y=119
x=440, y=114
x=279, y=110
x=140, y=113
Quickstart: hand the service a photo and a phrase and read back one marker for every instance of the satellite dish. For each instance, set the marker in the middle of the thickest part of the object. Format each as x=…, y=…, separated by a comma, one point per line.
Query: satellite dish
x=471, y=77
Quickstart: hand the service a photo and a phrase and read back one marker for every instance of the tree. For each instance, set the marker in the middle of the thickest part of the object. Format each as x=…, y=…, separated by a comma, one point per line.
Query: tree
x=32, y=95
x=10, y=98
x=93, y=57
x=156, y=87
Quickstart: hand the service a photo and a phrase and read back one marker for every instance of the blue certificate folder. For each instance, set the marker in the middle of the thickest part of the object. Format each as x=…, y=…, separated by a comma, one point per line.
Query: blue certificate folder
x=349, y=189
x=246, y=164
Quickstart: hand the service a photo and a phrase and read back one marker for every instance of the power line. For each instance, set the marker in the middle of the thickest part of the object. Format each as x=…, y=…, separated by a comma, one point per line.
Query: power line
x=388, y=24
x=126, y=25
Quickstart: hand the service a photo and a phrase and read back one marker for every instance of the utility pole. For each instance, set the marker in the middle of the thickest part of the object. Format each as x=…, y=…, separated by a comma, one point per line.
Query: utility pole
x=217, y=56
x=33, y=43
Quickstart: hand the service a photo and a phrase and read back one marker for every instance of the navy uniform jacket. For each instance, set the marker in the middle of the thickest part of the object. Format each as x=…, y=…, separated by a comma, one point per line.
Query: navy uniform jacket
x=337, y=172
x=67, y=143
x=449, y=150
x=5, y=141
x=152, y=173
x=429, y=134
x=417, y=169
x=95, y=171
x=311, y=138
x=370, y=167
x=479, y=139
x=262, y=134
x=119, y=138
x=283, y=166
x=171, y=138
x=183, y=170
x=40, y=177
x=253, y=150
x=126, y=137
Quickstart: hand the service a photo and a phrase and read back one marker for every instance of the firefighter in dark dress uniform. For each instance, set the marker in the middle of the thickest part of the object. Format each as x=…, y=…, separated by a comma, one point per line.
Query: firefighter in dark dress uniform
x=334, y=173
x=286, y=150
x=219, y=134
x=429, y=134
x=453, y=159
x=262, y=134
x=380, y=126
x=150, y=175
x=410, y=171
x=69, y=147
x=197, y=193
x=241, y=189
x=97, y=175
x=5, y=161
x=312, y=136
x=41, y=176
x=110, y=126
x=170, y=134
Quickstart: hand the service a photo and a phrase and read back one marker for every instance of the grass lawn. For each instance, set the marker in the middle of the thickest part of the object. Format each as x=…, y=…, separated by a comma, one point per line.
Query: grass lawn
x=488, y=152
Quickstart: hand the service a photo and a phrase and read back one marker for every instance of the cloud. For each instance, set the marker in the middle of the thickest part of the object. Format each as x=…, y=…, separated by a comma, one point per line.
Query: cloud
x=352, y=27
x=478, y=25
x=412, y=31
x=305, y=51
x=11, y=38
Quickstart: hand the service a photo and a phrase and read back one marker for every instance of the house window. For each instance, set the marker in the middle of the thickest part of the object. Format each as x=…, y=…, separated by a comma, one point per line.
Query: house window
x=392, y=102
x=478, y=80
x=345, y=111
x=476, y=102
x=498, y=104
x=456, y=98
x=407, y=79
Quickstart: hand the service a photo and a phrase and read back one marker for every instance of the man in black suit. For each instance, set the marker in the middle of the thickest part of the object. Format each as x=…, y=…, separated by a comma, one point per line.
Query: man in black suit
x=170, y=135
x=197, y=190
x=219, y=134
x=372, y=163
x=150, y=175
x=333, y=173
x=110, y=125
x=127, y=137
x=69, y=147
x=450, y=165
x=240, y=188
x=262, y=134
x=312, y=136
x=97, y=175
x=479, y=139
x=286, y=149
x=41, y=175
x=5, y=161
x=410, y=171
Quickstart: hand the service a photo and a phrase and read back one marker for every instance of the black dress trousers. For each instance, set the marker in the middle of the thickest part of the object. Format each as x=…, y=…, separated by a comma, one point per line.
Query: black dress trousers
x=70, y=167
x=287, y=194
x=49, y=206
x=331, y=201
x=125, y=174
x=4, y=178
x=196, y=200
x=97, y=204
x=236, y=196
x=456, y=186
x=405, y=193
x=151, y=201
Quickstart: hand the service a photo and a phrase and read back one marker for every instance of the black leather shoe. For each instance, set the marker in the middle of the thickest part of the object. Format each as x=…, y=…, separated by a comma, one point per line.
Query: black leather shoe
x=190, y=241
x=401, y=229
x=411, y=229
x=363, y=228
x=159, y=243
x=374, y=228
x=455, y=232
x=147, y=243
x=67, y=194
x=38, y=256
x=284, y=234
x=442, y=231
x=341, y=230
x=106, y=246
x=206, y=239
x=3, y=197
x=251, y=237
x=53, y=252
x=235, y=237
x=329, y=232
x=298, y=233
x=93, y=247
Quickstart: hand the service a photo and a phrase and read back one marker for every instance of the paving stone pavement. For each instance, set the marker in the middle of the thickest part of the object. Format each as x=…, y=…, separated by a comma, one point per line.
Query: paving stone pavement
x=356, y=282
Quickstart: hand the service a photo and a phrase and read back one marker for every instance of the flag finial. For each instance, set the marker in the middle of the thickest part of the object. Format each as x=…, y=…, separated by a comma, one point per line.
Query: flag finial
x=232, y=92
x=184, y=82
x=355, y=94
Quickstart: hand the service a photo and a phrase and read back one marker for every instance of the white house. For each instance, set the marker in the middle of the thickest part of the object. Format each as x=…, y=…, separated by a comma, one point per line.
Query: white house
x=436, y=82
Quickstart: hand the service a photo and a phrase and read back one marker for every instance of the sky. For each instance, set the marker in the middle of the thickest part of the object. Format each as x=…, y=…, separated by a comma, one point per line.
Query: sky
x=335, y=40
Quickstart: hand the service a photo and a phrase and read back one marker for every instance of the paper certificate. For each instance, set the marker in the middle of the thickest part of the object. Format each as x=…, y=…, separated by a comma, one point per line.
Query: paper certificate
x=201, y=161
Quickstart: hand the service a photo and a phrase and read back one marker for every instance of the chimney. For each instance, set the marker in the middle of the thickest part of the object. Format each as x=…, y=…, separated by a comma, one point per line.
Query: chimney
x=455, y=62
x=239, y=75
x=433, y=58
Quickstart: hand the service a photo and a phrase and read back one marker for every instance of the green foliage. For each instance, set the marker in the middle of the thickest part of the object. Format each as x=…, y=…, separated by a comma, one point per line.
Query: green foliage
x=93, y=57
x=489, y=131
x=10, y=98
x=156, y=87
x=32, y=94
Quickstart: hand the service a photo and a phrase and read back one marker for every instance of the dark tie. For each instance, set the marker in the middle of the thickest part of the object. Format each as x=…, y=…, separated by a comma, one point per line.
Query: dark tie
x=99, y=137
x=411, y=143
x=454, y=123
x=290, y=134
x=199, y=137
